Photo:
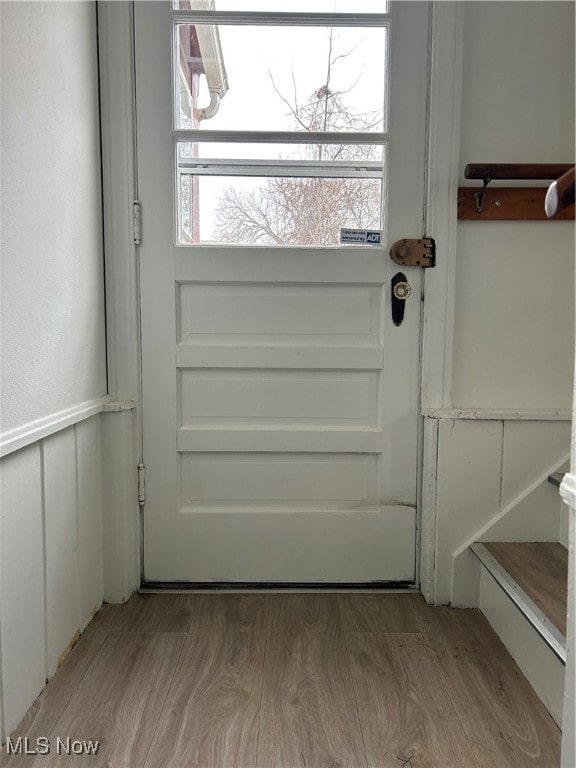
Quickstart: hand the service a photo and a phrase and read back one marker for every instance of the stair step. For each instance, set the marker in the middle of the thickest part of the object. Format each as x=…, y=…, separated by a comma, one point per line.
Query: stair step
x=540, y=568
x=516, y=580
x=534, y=575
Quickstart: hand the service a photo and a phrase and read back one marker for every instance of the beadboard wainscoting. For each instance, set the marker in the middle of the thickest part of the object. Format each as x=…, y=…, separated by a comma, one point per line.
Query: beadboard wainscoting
x=51, y=562
x=490, y=474
x=52, y=550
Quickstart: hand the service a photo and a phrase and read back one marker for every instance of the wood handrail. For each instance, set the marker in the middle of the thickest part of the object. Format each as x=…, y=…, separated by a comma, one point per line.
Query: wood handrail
x=560, y=193
x=516, y=170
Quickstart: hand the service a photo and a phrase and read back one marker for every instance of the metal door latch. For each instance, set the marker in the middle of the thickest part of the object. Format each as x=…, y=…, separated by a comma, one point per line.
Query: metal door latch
x=400, y=292
x=414, y=253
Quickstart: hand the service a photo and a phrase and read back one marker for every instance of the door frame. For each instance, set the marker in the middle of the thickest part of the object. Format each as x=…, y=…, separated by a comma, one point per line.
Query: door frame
x=437, y=332
x=120, y=189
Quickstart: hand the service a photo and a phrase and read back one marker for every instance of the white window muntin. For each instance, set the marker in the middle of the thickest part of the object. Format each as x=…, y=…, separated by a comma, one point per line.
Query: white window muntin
x=281, y=18
x=302, y=168
x=279, y=137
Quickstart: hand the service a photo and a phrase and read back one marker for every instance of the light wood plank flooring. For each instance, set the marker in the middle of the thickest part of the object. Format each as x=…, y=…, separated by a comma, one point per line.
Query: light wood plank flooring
x=286, y=680
x=541, y=569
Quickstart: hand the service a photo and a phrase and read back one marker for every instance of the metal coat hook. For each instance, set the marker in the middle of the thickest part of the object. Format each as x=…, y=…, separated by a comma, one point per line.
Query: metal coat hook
x=480, y=196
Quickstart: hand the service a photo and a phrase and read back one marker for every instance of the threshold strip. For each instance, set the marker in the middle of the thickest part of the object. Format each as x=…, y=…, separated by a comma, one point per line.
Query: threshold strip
x=158, y=587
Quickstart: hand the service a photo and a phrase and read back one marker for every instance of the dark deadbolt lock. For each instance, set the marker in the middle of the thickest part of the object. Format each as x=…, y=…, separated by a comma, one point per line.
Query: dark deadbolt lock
x=400, y=292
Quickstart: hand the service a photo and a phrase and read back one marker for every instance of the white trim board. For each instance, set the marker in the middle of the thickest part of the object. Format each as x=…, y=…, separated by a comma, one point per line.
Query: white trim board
x=568, y=493
x=121, y=434
x=445, y=96
x=568, y=490
x=500, y=414
x=117, y=96
x=428, y=515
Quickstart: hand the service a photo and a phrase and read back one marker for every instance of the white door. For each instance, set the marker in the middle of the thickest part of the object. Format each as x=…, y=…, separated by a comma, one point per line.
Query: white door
x=280, y=401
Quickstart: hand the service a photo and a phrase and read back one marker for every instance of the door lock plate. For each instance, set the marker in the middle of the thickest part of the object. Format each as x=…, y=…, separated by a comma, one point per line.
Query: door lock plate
x=401, y=290
x=414, y=253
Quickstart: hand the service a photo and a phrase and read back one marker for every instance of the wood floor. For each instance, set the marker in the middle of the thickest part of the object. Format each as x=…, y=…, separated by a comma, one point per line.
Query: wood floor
x=286, y=680
x=541, y=569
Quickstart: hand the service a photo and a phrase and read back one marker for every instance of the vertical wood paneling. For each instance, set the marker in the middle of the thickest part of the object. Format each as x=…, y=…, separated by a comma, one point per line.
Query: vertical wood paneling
x=45, y=714
x=61, y=521
x=120, y=512
x=89, y=483
x=468, y=488
x=51, y=579
x=535, y=518
x=2, y=728
x=529, y=448
x=21, y=583
x=483, y=467
x=564, y=526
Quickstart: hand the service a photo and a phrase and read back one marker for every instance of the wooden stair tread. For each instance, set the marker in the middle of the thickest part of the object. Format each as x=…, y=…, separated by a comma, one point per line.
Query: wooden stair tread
x=540, y=568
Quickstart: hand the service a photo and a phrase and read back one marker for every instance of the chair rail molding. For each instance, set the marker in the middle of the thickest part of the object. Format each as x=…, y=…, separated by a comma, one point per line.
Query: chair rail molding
x=500, y=414
x=20, y=437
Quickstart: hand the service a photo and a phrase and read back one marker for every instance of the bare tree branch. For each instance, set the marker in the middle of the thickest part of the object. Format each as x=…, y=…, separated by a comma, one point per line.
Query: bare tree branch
x=293, y=111
x=300, y=211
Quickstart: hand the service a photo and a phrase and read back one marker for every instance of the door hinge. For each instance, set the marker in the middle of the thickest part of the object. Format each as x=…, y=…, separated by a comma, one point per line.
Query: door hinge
x=141, y=484
x=137, y=219
x=414, y=253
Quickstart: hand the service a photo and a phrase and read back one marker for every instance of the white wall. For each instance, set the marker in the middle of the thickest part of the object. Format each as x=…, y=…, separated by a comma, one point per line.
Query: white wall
x=53, y=353
x=513, y=342
x=514, y=299
x=52, y=336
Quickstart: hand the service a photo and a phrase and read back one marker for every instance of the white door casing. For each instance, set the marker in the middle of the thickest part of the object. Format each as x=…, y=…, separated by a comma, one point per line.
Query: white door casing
x=280, y=402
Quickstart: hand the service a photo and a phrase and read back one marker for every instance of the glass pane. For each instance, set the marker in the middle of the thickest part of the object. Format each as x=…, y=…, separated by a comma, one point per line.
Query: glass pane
x=281, y=78
x=290, y=6
x=255, y=151
x=275, y=210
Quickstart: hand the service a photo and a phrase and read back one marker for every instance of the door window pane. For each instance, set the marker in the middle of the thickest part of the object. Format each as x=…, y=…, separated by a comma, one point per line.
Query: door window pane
x=276, y=194
x=275, y=210
x=280, y=78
